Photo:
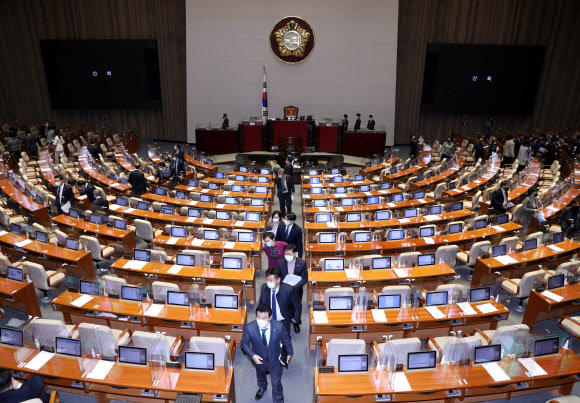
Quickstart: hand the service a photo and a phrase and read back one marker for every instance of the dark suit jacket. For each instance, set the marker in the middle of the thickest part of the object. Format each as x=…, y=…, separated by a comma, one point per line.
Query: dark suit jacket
x=180, y=154
x=89, y=191
x=371, y=124
x=295, y=237
x=43, y=130
x=286, y=298
x=137, y=181
x=289, y=169
x=30, y=389
x=94, y=150
x=289, y=185
x=345, y=124
x=100, y=204
x=180, y=167
x=478, y=151
x=517, y=145
x=414, y=147
x=252, y=344
x=67, y=195
x=357, y=125
x=225, y=124
x=566, y=219
x=496, y=200
x=299, y=270
x=31, y=143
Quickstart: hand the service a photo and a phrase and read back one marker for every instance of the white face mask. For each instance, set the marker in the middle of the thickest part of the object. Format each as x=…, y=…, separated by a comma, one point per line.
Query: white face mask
x=287, y=222
x=270, y=285
x=275, y=219
x=289, y=258
x=262, y=324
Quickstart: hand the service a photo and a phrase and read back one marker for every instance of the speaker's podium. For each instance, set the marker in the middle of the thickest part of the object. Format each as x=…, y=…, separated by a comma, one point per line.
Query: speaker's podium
x=252, y=136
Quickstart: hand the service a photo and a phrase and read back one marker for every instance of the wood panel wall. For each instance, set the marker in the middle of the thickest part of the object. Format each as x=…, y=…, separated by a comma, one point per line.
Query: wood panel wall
x=23, y=90
x=553, y=23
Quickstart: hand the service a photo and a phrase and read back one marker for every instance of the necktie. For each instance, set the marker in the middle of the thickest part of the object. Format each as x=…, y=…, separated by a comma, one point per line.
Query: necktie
x=264, y=337
x=284, y=185
x=274, y=316
x=59, y=194
x=287, y=231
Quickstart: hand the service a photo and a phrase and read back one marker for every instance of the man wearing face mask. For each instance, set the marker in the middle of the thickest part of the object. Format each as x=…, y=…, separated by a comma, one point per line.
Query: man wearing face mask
x=64, y=195
x=290, y=233
x=291, y=265
x=530, y=207
x=448, y=149
x=178, y=152
x=261, y=342
x=499, y=199
x=285, y=190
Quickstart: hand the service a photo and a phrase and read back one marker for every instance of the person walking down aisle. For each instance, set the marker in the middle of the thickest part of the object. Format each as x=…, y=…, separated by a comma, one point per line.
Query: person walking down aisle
x=291, y=233
x=285, y=190
x=294, y=266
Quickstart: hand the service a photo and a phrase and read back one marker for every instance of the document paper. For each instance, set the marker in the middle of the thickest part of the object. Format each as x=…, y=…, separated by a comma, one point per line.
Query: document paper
x=101, y=370
x=292, y=279
x=38, y=362
x=80, y=301
x=319, y=317
x=435, y=312
x=532, y=366
x=553, y=296
x=154, y=309
x=466, y=308
x=379, y=315
x=487, y=308
x=495, y=371
x=506, y=259
x=401, y=383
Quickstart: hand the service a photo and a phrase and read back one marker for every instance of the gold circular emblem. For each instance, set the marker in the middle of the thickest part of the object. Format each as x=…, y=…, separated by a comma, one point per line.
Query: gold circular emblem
x=292, y=40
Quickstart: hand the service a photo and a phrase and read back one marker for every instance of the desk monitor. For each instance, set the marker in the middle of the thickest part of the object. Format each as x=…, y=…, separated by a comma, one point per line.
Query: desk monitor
x=392, y=301
x=421, y=360
x=257, y=202
x=179, y=298
x=362, y=237
x=365, y=188
x=179, y=232
x=237, y=188
x=243, y=169
x=180, y=194
x=334, y=171
x=547, y=346
x=556, y=281
x=420, y=178
x=455, y=228
x=426, y=232
x=121, y=201
x=314, y=180
x=327, y=237
x=485, y=354
x=312, y=172
x=74, y=213
x=558, y=237
x=96, y=219
x=457, y=206
x=498, y=250
x=348, y=202
x=353, y=363
x=337, y=179
x=142, y=255
x=479, y=224
x=252, y=217
x=319, y=203
x=398, y=197
x=11, y=337
x=396, y=234
x=452, y=185
x=373, y=200
x=503, y=219
x=386, y=185
x=419, y=195
x=120, y=224
x=383, y=215
x=211, y=234
x=353, y=217
x=323, y=217
x=132, y=355
x=380, y=263
x=464, y=181
x=192, y=183
x=205, y=198
x=234, y=263
x=530, y=244
x=184, y=259
x=199, y=361
x=226, y=301
x=436, y=298
x=340, y=303
x=166, y=209
x=143, y=205
x=340, y=190
x=131, y=293
x=240, y=178
x=15, y=229
x=72, y=244
x=219, y=175
x=479, y=294
x=15, y=274
x=160, y=191
x=359, y=178
x=331, y=264
x=212, y=186
x=193, y=212
x=222, y=215
x=411, y=213
x=426, y=259
x=66, y=346
x=315, y=191
x=262, y=179
x=231, y=200
x=41, y=236
x=261, y=189
x=89, y=287
x=209, y=162
x=246, y=237
x=264, y=171
x=437, y=209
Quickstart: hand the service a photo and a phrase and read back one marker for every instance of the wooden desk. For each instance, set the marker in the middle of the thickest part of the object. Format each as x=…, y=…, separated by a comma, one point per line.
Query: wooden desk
x=218, y=323
x=483, y=181
x=78, y=263
x=218, y=141
x=341, y=324
x=98, y=177
x=193, y=203
x=443, y=176
x=221, y=182
x=45, y=165
x=376, y=169
x=16, y=295
x=238, y=279
x=109, y=234
x=355, y=195
x=310, y=211
x=38, y=211
x=363, y=142
x=484, y=271
x=125, y=382
x=551, y=211
x=414, y=170
x=307, y=185
x=218, y=192
x=209, y=169
x=542, y=308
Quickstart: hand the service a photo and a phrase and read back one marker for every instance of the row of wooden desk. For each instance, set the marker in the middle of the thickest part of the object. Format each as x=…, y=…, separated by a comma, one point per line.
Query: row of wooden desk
x=485, y=180
x=38, y=211
x=439, y=178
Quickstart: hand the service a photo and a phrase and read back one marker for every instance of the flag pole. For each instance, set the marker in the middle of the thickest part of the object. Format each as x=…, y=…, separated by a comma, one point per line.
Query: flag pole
x=264, y=99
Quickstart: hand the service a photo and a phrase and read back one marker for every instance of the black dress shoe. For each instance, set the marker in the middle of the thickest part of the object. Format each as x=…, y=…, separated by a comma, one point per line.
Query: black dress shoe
x=296, y=328
x=260, y=393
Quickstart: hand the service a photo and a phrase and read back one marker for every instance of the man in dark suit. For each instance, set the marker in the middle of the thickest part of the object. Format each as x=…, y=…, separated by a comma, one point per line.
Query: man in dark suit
x=478, y=150
x=290, y=233
x=499, y=198
x=517, y=144
x=86, y=188
x=94, y=150
x=357, y=123
x=100, y=203
x=414, y=146
x=371, y=123
x=12, y=391
x=177, y=166
x=282, y=297
x=226, y=122
x=31, y=146
x=44, y=129
x=261, y=342
x=177, y=151
x=570, y=219
x=294, y=266
x=64, y=195
x=285, y=190
x=137, y=181
x=344, y=122
x=289, y=168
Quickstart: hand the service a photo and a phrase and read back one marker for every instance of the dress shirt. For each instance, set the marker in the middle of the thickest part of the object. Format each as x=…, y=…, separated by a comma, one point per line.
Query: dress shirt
x=279, y=316
x=291, y=266
x=267, y=334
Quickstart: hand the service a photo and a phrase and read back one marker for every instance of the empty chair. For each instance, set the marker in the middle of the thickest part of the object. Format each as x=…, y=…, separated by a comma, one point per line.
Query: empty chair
x=475, y=203
x=336, y=347
x=158, y=255
x=564, y=399
x=407, y=185
x=44, y=280
x=114, y=284
x=354, y=233
x=212, y=290
x=510, y=243
x=447, y=254
x=403, y=290
x=215, y=345
x=241, y=255
x=536, y=235
x=201, y=256
x=45, y=330
x=454, y=291
x=160, y=289
x=239, y=230
x=60, y=237
x=145, y=231
x=437, y=193
x=521, y=288
x=442, y=344
x=571, y=324
x=478, y=249
x=454, y=223
x=408, y=259
x=5, y=261
x=337, y=292
x=160, y=345
x=401, y=348
x=504, y=335
x=109, y=339
x=98, y=252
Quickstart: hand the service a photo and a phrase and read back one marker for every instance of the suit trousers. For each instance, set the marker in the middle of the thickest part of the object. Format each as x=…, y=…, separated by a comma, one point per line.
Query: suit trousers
x=285, y=202
x=275, y=378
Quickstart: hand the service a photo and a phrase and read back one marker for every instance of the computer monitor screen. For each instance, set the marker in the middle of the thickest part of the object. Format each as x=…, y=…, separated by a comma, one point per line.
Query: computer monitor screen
x=323, y=217
x=458, y=206
x=479, y=224
x=312, y=172
x=211, y=234
x=261, y=189
x=373, y=200
x=160, y=191
x=262, y=179
x=419, y=195
x=166, y=210
x=327, y=237
x=337, y=179
x=132, y=355
x=252, y=217
x=358, y=178
x=426, y=260
x=334, y=171
x=213, y=186
x=503, y=219
x=257, y=202
x=231, y=200
x=193, y=212
x=72, y=244
x=319, y=203
x=96, y=219
x=192, y=183
x=386, y=185
x=199, y=361
x=16, y=274
x=353, y=217
x=180, y=194
x=436, y=209
x=411, y=213
x=226, y=301
x=426, y=232
x=365, y=188
x=353, y=363
x=484, y=354
x=421, y=360
x=479, y=294
x=452, y=185
x=143, y=205
x=558, y=237
x=121, y=201
x=179, y=298
x=185, y=259
x=379, y=263
x=340, y=190
x=340, y=303
x=530, y=244
x=362, y=237
x=15, y=229
x=74, y=213
x=240, y=178
x=389, y=301
x=316, y=191
x=498, y=250
x=347, y=202
x=237, y=188
x=11, y=337
x=120, y=224
x=219, y=175
x=314, y=180
x=420, y=178
x=179, y=232
x=383, y=215
x=142, y=255
x=264, y=171
x=396, y=234
x=222, y=215
x=205, y=198
x=436, y=298
x=247, y=237
x=131, y=293
x=547, y=346
x=89, y=287
x=333, y=264
x=556, y=281
x=398, y=198
x=67, y=346
x=232, y=263
x=42, y=236
x=455, y=228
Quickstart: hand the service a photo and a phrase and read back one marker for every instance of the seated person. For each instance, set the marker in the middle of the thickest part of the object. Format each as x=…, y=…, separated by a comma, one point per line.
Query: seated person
x=100, y=204
x=164, y=172
x=12, y=391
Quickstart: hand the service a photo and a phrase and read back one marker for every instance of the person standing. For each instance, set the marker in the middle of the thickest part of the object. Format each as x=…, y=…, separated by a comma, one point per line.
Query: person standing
x=59, y=148
x=285, y=190
x=530, y=207
x=177, y=167
x=508, y=152
x=293, y=265
x=344, y=123
x=44, y=129
x=137, y=181
x=523, y=156
x=225, y=122
x=274, y=249
x=488, y=128
x=261, y=343
x=31, y=145
x=448, y=149
x=499, y=198
x=570, y=219
x=177, y=151
x=414, y=146
x=289, y=168
x=478, y=150
x=273, y=222
x=64, y=195
x=371, y=123
x=357, y=123
x=517, y=144
x=291, y=233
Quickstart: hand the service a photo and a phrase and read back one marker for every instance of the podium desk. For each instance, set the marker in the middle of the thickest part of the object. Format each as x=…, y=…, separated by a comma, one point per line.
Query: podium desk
x=443, y=176
x=376, y=169
x=204, y=276
x=363, y=142
x=18, y=295
x=482, y=182
x=542, y=308
x=328, y=139
x=217, y=141
x=38, y=211
x=252, y=137
x=175, y=320
x=125, y=382
x=418, y=323
x=290, y=128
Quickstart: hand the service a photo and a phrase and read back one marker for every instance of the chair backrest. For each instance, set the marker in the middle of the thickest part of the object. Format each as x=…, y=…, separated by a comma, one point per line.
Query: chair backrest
x=201, y=256
x=46, y=330
x=403, y=290
x=336, y=347
x=93, y=245
x=38, y=275
x=439, y=190
x=529, y=281
x=408, y=259
x=212, y=290
x=155, y=343
x=447, y=254
x=239, y=255
x=60, y=236
x=568, y=268
x=144, y=230
x=160, y=289
x=353, y=234
x=236, y=231
x=454, y=291
x=367, y=260
x=516, y=213
x=476, y=199
x=402, y=347
x=158, y=255
x=4, y=261
x=114, y=284
x=537, y=235
x=215, y=345
x=464, y=143
x=478, y=249
x=510, y=243
x=105, y=340
x=506, y=335
x=337, y=292
x=480, y=217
